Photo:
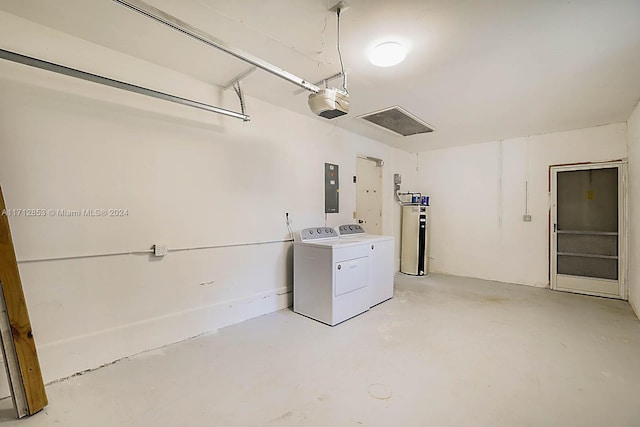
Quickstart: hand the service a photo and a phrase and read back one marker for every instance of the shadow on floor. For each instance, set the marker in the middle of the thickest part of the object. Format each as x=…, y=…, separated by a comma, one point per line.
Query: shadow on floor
x=7, y=414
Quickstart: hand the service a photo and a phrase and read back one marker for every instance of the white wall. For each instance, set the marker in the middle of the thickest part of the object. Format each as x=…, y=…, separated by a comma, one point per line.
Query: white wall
x=634, y=209
x=478, y=199
x=188, y=179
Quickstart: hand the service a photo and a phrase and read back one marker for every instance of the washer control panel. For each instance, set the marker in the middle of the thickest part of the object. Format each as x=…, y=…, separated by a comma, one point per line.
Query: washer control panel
x=349, y=229
x=317, y=233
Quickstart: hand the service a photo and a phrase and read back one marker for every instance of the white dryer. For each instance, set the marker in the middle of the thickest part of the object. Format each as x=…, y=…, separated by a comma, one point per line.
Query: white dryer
x=381, y=254
x=330, y=276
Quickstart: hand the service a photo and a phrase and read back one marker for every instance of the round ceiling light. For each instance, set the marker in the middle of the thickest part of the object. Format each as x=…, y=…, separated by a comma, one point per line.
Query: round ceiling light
x=387, y=54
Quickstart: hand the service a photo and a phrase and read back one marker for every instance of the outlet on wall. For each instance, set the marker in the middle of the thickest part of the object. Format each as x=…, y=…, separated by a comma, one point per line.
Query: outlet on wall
x=526, y=218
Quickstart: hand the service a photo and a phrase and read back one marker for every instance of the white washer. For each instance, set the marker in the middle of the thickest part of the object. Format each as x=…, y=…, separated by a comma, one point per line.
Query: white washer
x=381, y=253
x=330, y=276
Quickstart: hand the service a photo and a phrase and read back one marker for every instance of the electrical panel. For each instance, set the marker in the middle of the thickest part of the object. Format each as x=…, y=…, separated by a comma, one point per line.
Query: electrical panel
x=331, y=188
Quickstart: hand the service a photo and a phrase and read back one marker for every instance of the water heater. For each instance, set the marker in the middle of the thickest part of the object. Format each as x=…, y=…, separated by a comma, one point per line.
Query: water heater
x=414, y=250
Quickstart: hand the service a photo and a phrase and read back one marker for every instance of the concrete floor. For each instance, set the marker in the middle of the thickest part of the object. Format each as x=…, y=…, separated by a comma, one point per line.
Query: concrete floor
x=446, y=351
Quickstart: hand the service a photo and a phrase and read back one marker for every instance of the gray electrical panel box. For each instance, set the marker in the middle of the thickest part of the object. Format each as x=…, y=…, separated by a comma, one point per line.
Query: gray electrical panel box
x=331, y=188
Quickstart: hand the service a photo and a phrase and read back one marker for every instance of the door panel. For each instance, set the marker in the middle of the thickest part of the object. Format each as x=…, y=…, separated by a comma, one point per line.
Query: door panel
x=588, y=200
x=351, y=275
x=604, y=244
x=585, y=285
x=369, y=195
x=588, y=266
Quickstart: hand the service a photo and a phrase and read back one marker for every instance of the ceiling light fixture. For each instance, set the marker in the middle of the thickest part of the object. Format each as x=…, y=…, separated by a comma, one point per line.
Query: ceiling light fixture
x=388, y=54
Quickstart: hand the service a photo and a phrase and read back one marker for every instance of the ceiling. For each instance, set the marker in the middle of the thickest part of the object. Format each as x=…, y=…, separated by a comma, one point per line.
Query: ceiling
x=476, y=70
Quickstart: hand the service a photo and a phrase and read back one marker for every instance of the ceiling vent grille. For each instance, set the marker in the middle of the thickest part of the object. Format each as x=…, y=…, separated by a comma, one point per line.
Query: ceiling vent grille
x=398, y=120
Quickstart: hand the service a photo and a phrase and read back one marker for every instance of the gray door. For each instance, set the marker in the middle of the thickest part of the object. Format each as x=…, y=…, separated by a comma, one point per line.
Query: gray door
x=587, y=216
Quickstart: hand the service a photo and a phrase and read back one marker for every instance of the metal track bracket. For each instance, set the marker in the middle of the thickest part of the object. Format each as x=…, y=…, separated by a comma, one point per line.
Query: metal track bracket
x=72, y=72
x=185, y=28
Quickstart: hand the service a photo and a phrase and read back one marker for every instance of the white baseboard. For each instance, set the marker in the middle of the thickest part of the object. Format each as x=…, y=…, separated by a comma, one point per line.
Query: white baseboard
x=635, y=309
x=64, y=358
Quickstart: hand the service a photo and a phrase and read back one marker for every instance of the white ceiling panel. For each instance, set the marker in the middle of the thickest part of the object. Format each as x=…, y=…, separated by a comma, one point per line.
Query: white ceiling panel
x=476, y=70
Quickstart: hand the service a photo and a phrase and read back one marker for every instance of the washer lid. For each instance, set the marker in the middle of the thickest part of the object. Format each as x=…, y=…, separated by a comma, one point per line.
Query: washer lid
x=332, y=243
x=356, y=232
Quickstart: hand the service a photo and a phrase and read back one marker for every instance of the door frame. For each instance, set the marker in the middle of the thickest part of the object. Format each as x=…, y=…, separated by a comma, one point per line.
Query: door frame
x=622, y=224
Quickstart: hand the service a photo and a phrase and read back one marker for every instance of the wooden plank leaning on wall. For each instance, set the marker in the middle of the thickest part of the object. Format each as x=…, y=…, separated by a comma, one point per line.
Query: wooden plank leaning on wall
x=25, y=346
